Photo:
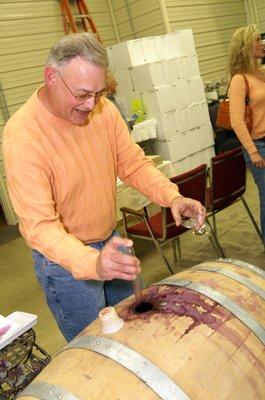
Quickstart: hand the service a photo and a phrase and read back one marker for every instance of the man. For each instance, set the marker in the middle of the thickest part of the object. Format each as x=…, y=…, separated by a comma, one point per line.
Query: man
x=64, y=149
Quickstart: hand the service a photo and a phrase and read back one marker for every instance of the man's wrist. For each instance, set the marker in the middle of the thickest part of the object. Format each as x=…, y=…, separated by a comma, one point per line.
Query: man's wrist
x=175, y=198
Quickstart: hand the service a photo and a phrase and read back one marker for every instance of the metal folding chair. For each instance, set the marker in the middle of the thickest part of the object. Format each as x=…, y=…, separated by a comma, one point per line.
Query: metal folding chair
x=161, y=227
x=227, y=185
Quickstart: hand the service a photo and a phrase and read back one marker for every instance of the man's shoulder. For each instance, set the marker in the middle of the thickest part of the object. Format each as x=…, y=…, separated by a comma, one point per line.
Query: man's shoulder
x=109, y=112
x=108, y=106
x=105, y=114
x=22, y=121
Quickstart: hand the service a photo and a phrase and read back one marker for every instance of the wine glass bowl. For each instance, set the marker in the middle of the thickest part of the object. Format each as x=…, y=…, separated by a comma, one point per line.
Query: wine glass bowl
x=190, y=223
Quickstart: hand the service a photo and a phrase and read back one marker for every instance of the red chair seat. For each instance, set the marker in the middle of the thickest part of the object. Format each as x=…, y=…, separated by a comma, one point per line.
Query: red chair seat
x=156, y=223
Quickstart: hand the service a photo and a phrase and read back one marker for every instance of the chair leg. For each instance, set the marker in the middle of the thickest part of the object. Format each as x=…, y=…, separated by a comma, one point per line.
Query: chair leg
x=175, y=257
x=252, y=219
x=214, y=224
x=214, y=241
x=159, y=249
x=178, y=247
x=158, y=246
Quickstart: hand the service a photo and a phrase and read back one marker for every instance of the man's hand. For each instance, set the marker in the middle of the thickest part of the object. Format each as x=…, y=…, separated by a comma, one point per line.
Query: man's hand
x=113, y=264
x=185, y=207
x=257, y=160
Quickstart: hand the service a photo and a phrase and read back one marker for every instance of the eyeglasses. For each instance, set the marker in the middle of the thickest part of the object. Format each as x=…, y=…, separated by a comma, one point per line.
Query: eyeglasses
x=83, y=96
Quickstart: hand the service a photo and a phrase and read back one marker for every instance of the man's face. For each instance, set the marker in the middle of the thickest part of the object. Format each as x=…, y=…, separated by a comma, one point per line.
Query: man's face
x=69, y=85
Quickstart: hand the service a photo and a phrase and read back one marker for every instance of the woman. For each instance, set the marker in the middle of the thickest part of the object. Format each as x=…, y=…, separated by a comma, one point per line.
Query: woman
x=246, y=52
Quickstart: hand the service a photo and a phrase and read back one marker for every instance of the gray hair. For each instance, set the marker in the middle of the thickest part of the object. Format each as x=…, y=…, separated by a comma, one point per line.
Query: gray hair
x=85, y=45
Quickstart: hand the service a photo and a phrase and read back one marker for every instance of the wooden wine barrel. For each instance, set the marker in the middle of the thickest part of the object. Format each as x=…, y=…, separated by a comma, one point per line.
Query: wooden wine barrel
x=207, y=342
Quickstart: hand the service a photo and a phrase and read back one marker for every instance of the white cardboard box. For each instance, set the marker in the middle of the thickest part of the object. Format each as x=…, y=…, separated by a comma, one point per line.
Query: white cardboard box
x=174, y=148
x=206, y=136
x=186, y=163
x=187, y=42
x=179, y=167
x=204, y=156
x=149, y=49
x=159, y=44
x=193, y=115
x=124, y=81
x=181, y=120
x=196, y=89
x=204, y=113
x=148, y=76
x=170, y=70
x=187, y=66
x=179, y=43
x=165, y=148
x=195, y=138
x=145, y=130
x=194, y=160
x=194, y=65
x=158, y=101
x=126, y=54
x=181, y=94
x=184, y=67
x=166, y=125
x=183, y=145
x=172, y=45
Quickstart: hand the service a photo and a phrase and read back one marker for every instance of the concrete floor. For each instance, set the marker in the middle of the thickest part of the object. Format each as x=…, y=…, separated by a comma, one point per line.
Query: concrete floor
x=20, y=291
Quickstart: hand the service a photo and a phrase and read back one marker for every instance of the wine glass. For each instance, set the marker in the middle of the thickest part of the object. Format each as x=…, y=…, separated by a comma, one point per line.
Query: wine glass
x=191, y=222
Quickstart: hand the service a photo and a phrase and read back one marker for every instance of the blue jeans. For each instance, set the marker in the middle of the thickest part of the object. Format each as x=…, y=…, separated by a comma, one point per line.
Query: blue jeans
x=259, y=178
x=76, y=303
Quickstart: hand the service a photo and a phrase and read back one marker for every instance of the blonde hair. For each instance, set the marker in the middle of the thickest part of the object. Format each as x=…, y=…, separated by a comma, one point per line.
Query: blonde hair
x=240, y=57
x=85, y=45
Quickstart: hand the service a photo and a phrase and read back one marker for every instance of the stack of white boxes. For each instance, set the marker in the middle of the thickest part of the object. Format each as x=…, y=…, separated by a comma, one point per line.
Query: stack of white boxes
x=163, y=71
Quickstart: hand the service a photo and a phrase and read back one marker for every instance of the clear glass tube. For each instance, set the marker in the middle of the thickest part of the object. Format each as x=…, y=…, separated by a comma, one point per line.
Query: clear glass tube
x=137, y=286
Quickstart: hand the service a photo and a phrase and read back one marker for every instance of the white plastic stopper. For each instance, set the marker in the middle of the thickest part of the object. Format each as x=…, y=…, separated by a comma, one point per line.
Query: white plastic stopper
x=110, y=320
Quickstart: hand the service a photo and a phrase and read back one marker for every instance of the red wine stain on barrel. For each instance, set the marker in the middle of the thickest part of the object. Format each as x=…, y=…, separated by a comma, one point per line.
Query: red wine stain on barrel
x=171, y=301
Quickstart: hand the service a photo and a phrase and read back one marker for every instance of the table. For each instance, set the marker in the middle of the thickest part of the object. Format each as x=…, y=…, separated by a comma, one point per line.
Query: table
x=132, y=198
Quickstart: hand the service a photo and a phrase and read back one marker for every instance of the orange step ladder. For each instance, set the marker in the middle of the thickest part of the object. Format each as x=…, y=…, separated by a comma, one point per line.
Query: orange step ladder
x=71, y=20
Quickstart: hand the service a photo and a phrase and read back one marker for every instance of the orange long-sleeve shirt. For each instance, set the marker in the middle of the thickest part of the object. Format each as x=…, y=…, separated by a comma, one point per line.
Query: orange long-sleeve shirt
x=62, y=179
x=237, y=94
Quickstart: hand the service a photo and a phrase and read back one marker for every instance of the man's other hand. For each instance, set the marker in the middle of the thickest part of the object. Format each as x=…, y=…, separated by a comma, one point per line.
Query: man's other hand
x=184, y=207
x=113, y=264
